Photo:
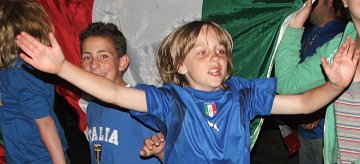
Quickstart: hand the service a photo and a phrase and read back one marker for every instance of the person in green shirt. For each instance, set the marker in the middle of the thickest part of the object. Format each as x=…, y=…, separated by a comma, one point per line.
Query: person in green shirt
x=295, y=77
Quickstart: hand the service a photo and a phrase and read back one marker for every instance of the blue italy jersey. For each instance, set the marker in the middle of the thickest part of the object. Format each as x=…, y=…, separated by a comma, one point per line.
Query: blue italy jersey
x=115, y=136
x=208, y=127
x=26, y=94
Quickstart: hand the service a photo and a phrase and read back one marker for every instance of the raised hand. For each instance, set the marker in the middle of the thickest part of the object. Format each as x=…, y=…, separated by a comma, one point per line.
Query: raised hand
x=341, y=72
x=301, y=17
x=42, y=57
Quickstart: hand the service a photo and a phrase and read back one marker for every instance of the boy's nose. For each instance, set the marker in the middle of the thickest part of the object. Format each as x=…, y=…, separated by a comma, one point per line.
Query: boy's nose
x=214, y=57
x=95, y=64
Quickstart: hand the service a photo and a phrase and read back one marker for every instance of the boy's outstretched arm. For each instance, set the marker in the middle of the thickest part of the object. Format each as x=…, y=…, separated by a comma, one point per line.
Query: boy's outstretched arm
x=51, y=139
x=51, y=60
x=340, y=74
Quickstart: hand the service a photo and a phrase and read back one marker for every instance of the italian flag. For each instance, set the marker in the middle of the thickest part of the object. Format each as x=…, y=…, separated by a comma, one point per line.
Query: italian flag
x=254, y=26
x=210, y=109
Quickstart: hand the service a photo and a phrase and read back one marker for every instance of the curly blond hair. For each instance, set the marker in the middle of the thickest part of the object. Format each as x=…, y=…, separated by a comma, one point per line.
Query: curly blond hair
x=17, y=16
x=175, y=47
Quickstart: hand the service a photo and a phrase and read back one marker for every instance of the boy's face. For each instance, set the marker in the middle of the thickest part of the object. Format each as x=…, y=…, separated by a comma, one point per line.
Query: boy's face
x=205, y=66
x=99, y=56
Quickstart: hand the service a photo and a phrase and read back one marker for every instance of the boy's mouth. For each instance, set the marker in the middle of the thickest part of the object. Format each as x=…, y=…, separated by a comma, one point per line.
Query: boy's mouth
x=100, y=74
x=215, y=71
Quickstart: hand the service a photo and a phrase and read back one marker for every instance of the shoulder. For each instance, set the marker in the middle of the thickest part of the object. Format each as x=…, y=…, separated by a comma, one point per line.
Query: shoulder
x=240, y=82
x=291, y=34
x=21, y=70
x=165, y=89
x=25, y=79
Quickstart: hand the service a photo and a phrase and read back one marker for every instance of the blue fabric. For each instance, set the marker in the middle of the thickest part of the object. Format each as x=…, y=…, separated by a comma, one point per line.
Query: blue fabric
x=196, y=137
x=120, y=135
x=313, y=38
x=26, y=94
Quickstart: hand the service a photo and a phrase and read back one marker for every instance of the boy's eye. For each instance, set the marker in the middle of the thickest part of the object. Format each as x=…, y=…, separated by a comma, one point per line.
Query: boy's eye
x=86, y=58
x=202, y=53
x=221, y=51
x=104, y=56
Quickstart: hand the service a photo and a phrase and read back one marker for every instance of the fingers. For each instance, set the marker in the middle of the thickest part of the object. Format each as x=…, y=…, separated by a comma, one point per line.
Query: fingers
x=156, y=141
x=153, y=145
x=149, y=143
x=343, y=48
x=309, y=126
x=356, y=56
x=350, y=47
x=26, y=58
x=160, y=136
x=29, y=38
x=53, y=41
x=325, y=65
x=145, y=152
x=308, y=4
x=29, y=41
x=24, y=44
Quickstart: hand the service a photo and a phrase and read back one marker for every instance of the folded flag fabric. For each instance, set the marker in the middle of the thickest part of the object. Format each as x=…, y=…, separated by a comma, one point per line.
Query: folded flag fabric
x=290, y=138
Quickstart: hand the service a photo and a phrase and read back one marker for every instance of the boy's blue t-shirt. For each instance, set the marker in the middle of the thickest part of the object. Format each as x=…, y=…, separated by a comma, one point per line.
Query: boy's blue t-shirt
x=120, y=135
x=26, y=94
x=208, y=127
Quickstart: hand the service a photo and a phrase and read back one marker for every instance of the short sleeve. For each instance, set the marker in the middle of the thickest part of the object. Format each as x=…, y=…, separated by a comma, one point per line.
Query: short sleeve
x=263, y=95
x=256, y=95
x=158, y=104
x=35, y=96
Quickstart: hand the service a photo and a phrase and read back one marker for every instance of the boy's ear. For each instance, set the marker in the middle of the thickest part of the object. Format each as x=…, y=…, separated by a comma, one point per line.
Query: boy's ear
x=124, y=63
x=182, y=69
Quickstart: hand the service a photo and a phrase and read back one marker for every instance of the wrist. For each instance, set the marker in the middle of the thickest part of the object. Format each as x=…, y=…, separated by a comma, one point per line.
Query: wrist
x=336, y=87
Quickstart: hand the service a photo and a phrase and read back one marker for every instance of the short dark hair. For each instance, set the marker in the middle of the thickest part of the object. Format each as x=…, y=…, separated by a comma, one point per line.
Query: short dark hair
x=108, y=31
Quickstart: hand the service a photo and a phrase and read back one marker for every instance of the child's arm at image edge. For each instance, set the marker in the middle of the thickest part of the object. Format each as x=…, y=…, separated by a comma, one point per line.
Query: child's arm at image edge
x=307, y=102
x=51, y=139
x=340, y=74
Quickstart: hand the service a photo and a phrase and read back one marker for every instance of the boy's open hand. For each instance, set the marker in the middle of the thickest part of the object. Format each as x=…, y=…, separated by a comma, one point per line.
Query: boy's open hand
x=342, y=70
x=40, y=56
x=301, y=17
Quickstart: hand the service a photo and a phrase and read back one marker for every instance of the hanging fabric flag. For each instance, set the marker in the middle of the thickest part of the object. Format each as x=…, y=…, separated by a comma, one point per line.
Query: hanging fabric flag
x=70, y=17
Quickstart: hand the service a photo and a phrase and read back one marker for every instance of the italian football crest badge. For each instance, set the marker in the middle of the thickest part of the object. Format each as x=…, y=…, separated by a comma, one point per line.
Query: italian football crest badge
x=210, y=109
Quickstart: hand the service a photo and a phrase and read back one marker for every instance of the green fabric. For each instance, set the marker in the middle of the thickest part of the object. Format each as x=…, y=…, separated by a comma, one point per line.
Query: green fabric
x=254, y=27
x=296, y=78
x=357, y=161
